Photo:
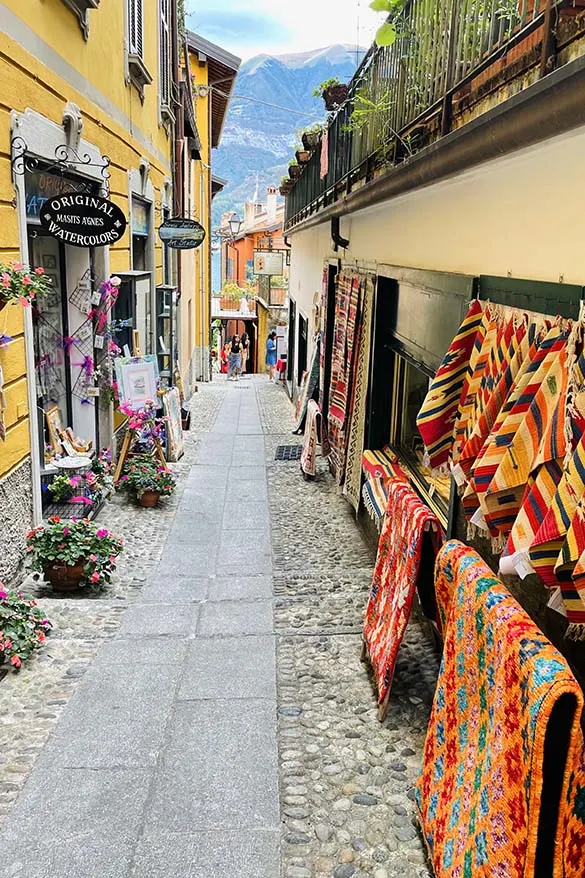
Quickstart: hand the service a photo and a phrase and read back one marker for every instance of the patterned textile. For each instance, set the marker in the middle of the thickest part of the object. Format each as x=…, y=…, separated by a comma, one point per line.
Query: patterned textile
x=315, y=434
x=574, y=601
x=539, y=438
x=347, y=342
x=395, y=579
x=324, y=153
x=309, y=386
x=436, y=418
x=375, y=497
x=480, y=356
x=550, y=537
x=573, y=821
x=486, y=765
x=379, y=464
x=324, y=300
x=356, y=436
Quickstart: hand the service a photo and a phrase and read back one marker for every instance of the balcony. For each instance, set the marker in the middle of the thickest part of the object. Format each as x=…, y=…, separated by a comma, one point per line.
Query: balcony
x=454, y=62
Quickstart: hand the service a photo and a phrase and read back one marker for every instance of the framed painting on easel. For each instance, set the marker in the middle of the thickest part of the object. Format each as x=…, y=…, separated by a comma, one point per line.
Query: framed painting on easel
x=54, y=428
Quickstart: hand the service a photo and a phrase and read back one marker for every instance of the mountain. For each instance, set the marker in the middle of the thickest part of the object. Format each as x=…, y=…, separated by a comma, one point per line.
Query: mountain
x=259, y=139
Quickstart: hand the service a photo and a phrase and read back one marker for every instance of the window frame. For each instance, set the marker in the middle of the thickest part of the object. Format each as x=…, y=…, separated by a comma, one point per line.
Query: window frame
x=80, y=9
x=137, y=73
x=164, y=61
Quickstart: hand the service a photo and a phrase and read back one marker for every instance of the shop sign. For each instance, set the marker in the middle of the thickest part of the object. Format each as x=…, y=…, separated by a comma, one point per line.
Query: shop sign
x=180, y=233
x=268, y=262
x=83, y=220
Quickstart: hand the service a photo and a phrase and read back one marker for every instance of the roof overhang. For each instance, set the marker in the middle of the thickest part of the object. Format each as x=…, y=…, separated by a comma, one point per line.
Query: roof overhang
x=217, y=184
x=223, y=69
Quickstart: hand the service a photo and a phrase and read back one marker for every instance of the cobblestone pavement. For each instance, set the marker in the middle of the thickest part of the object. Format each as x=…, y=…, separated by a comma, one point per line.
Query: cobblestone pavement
x=346, y=781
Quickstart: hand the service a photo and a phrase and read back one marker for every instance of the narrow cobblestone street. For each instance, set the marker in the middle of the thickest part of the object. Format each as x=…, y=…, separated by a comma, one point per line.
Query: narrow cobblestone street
x=209, y=714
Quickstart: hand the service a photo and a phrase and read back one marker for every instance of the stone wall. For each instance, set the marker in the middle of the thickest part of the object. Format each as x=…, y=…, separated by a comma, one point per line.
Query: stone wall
x=15, y=518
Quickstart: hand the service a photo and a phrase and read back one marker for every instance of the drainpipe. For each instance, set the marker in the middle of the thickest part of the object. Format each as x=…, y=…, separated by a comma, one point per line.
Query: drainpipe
x=178, y=132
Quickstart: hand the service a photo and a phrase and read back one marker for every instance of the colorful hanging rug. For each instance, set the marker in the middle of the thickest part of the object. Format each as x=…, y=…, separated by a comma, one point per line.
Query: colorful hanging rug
x=436, y=419
x=395, y=579
x=504, y=735
x=379, y=464
x=573, y=822
x=346, y=343
x=480, y=356
x=315, y=435
x=309, y=386
x=357, y=428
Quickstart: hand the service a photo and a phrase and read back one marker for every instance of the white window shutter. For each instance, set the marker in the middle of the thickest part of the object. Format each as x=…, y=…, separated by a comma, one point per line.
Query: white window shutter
x=165, y=60
x=135, y=23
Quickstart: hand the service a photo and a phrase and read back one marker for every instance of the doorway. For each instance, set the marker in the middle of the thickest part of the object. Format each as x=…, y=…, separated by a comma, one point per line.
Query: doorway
x=379, y=412
x=292, y=334
x=329, y=333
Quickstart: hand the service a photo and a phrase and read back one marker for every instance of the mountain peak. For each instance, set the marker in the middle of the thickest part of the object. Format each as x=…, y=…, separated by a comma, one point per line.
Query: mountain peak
x=336, y=55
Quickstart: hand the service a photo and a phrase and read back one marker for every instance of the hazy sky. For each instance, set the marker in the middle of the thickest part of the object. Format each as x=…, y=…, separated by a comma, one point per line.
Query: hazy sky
x=250, y=27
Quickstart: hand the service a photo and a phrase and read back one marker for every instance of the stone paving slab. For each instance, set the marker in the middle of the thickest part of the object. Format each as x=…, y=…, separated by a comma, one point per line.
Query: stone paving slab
x=229, y=668
x=174, y=589
x=85, y=856
x=235, y=588
x=218, y=769
x=249, y=513
x=230, y=618
x=158, y=619
x=244, y=854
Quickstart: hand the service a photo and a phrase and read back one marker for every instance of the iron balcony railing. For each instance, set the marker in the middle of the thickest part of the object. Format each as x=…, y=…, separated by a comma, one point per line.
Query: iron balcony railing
x=441, y=44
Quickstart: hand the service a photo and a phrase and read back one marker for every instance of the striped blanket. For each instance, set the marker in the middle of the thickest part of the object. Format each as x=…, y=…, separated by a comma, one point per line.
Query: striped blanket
x=437, y=416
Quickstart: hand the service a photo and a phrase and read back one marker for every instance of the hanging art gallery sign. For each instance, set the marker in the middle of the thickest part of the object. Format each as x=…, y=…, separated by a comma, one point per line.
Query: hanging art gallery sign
x=180, y=233
x=83, y=220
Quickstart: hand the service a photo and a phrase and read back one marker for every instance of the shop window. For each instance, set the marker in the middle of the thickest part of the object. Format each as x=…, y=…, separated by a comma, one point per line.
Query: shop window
x=137, y=71
x=409, y=391
x=303, y=342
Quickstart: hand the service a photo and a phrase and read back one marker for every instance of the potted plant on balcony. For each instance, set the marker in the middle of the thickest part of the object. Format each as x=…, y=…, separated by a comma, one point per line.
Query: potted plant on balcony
x=285, y=186
x=73, y=553
x=19, y=284
x=294, y=170
x=23, y=627
x=302, y=155
x=333, y=91
x=312, y=137
x=147, y=481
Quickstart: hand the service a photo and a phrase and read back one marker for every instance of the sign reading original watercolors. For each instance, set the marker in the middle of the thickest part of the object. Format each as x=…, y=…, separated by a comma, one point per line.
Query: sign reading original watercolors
x=83, y=220
x=180, y=233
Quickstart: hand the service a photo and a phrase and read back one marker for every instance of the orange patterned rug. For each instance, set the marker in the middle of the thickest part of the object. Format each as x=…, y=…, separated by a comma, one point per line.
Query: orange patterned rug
x=495, y=798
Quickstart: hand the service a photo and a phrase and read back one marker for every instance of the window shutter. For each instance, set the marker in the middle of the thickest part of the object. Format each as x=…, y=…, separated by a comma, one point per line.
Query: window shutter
x=165, y=91
x=135, y=22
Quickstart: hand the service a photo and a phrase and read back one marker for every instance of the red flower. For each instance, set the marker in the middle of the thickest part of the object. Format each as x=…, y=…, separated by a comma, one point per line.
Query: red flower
x=15, y=661
x=39, y=270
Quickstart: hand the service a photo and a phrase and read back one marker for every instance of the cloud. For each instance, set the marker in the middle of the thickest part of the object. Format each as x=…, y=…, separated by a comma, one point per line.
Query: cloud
x=279, y=26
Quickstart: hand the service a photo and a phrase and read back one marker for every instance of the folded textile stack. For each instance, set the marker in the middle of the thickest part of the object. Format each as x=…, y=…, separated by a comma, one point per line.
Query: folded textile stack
x=501, y=789
x=506, y=412
x=400, y=552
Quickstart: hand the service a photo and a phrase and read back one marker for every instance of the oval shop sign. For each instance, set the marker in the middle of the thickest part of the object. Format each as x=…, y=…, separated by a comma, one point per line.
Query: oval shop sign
x=181, y=233
x=83, y=220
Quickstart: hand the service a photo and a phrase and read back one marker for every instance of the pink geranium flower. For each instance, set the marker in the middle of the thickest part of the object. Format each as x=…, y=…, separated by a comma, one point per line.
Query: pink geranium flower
x=39, y=270
x=26, y=280
x=18, y=266
x=102, y=533
x=95, y=577
x=15, y=661
x=5, y=280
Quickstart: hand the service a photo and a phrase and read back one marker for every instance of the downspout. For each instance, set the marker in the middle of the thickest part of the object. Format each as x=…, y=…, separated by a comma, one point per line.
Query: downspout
x=179, y=131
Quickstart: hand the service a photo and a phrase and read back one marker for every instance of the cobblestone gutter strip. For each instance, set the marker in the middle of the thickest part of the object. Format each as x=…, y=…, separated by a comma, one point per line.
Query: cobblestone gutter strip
x=32, y=701
x=346, y=780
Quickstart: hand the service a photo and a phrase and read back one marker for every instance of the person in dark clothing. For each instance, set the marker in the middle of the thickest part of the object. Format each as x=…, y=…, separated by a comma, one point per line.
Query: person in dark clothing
x=235, y=359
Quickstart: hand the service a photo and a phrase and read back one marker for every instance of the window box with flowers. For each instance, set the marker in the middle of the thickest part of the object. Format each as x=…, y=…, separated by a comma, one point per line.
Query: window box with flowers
x=73, y=553
x=23, y=628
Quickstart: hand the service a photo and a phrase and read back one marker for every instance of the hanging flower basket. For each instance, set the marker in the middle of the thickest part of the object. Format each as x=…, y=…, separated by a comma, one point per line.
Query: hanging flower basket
x=334, y=96
x=303, y=156
x=294, y=172
x=20, y=284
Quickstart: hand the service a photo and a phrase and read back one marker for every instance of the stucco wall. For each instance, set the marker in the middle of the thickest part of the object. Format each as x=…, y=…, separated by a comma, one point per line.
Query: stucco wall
x=15, y=518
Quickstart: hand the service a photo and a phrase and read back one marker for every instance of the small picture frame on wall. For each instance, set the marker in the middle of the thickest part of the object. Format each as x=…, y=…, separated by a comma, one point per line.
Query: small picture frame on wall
x=54, y=428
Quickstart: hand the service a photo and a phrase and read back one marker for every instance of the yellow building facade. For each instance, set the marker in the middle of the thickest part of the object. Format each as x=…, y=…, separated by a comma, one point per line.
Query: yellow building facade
x=86, y=104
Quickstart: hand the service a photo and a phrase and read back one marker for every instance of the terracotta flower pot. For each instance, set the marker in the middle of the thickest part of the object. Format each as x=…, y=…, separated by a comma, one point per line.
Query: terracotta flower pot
x=294, y=172
x=311, y=140
x=335, y=96
x=149, y=499
x=64, y=578
x=303, y=156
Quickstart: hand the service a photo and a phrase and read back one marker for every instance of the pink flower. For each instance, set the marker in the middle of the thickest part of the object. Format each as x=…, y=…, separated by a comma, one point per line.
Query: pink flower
x=3, y=595
x=112, y=559
x=93, y=557
x=18, y=266
x=95, y=577
x=7, y=644
x=102, y=534
x=15, y=661
x=39, y=270
x=65, y=531
x=41, y=636
x=24, y=302
x=27, y=281
x=6, y=280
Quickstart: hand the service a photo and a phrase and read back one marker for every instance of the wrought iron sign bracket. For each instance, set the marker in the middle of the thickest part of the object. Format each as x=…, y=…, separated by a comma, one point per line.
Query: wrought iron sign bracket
x=66, y=159
x=336, y=235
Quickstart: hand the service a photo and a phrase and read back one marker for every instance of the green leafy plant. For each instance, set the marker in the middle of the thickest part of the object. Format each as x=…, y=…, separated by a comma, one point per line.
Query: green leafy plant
x=144, y=474
x=293, y=162
x=71, y=542
x=20, y=284
x=388, y=33
x=333, y=82
x=62, y=488
x=23, y=627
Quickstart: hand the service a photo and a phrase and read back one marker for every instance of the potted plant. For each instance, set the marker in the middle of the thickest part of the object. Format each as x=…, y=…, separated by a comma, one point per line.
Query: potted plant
x=333, y=91
x=73, y=553
x=312, y=137
x=23, y=627
x=294, y=171
x=62, y=488
x=147, y=481
x=19, y=284
x=302, y=155
x=285, y=186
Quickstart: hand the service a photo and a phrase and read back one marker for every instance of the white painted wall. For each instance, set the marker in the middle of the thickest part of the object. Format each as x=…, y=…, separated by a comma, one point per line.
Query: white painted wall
x=522, y=215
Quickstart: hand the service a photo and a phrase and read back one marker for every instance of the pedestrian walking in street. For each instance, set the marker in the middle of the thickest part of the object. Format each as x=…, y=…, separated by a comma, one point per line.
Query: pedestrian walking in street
x=271, y=353
x=245, y=351
x=235, y=359
x=224, y=357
